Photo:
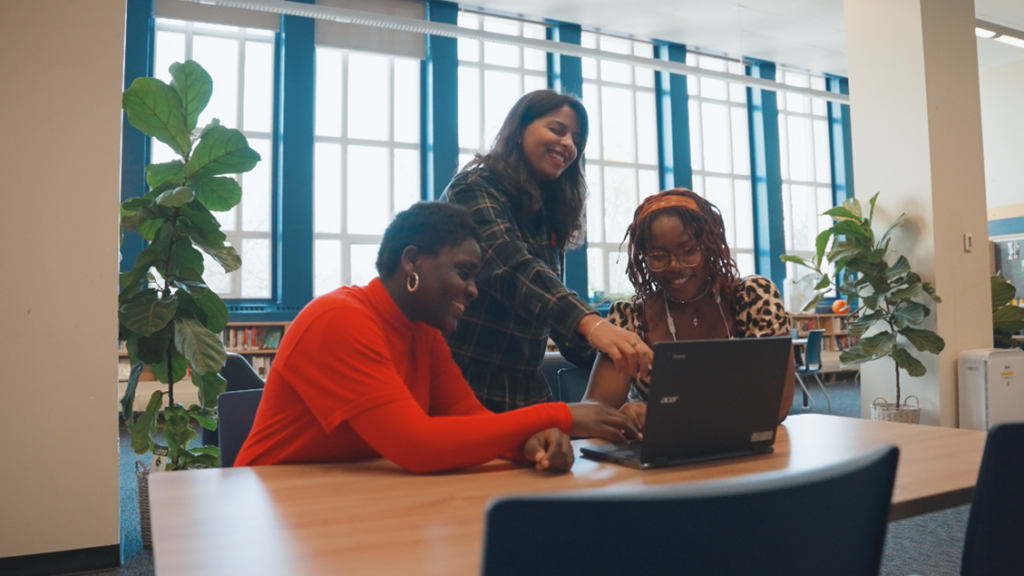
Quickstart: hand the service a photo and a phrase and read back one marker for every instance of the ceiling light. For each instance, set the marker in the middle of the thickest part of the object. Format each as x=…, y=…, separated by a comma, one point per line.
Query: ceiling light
x=1011, y=41
x=983, y=33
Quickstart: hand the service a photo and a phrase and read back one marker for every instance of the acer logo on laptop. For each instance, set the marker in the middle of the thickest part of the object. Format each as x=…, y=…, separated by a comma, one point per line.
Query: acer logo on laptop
x=669, y=399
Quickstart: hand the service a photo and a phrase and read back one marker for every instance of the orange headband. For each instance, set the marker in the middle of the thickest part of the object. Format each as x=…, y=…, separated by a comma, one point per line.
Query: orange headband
x=665, y=202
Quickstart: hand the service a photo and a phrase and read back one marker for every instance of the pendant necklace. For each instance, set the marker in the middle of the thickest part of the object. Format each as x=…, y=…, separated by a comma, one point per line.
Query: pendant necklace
x=668, y=314
x=672, y=323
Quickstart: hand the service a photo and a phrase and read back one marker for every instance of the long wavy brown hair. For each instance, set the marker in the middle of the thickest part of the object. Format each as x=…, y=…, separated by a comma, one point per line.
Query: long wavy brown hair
x=562, y=199
x=708, y=232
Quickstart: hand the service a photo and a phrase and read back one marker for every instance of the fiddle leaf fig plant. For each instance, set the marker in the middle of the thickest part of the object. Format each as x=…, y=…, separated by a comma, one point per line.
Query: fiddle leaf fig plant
x=168, y=316
x=888, y=291
x=1007, y=319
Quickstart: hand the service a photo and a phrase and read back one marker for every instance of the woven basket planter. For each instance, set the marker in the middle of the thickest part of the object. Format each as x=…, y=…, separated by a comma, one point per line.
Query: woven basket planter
x=889, y=412
x=142, y=475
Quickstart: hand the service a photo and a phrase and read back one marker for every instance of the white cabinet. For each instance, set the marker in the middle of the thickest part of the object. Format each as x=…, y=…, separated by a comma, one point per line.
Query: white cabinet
x=991, y=385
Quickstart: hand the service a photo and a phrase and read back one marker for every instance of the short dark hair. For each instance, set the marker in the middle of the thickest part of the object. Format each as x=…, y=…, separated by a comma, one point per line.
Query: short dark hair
x=564, y=198
x=429, y=226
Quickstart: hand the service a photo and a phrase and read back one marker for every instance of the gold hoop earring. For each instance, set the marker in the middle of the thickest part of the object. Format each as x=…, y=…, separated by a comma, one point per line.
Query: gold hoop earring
x=413, y=282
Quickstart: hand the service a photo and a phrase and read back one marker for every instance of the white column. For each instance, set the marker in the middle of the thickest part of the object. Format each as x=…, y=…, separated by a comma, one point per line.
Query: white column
x=916, y=127
x=60, y=158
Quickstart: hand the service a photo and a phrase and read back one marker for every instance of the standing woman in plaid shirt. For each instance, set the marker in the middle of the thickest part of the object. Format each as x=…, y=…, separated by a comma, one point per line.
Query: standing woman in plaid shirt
x=527, y=197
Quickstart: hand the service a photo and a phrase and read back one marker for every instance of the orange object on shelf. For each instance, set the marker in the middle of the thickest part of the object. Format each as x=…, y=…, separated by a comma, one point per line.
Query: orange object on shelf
x=840, y=307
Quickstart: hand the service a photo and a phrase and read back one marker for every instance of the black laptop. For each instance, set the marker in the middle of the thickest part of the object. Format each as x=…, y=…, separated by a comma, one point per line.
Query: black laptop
x=708, y=399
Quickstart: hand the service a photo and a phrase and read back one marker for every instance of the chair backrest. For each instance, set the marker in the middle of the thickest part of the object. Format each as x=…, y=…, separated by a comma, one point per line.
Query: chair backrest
x=239, y=375
x=814, y=348
x=747, y=525
x=992, y=545
x=572, y=384
x=794, y=334
x=237, y=411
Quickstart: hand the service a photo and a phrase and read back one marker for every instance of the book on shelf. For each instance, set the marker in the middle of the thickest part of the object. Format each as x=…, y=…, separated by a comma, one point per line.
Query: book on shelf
x=261, y=364
x=272, y=338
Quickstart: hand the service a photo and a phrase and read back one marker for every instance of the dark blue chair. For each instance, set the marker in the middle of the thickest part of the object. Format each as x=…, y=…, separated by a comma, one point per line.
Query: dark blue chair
x=812, y=365
x=746, y=525
x=240, y=376
x=237, y=411
x=994, y=544
x=572, y=384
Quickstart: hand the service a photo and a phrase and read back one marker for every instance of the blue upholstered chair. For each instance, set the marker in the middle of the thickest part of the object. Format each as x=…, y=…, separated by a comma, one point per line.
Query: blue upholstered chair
x=812, y=364
x=994, y=544
x=237, y=411
x=745, y=525
x=240, y=376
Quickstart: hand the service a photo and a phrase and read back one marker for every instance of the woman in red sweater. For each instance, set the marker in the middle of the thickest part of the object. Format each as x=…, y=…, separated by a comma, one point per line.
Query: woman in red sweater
x=364, y=371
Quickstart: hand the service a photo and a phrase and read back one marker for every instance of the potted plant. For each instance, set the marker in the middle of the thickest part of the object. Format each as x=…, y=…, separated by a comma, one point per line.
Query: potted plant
x=167, y=315
x=888, y=294
x=1007, y=319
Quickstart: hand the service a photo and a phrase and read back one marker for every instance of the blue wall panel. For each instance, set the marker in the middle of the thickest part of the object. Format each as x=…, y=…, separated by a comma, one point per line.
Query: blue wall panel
x=672, y=99
x=138, y=58
x=440, y=105
x=565, y=74
x=294, y=185
x=1006, y=226
x=766, y=177
x=839, y=143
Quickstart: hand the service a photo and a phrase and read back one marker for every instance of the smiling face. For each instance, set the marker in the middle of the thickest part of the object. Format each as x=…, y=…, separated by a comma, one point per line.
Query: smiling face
x=446, y=285
x=549, y=143
x=670, y=235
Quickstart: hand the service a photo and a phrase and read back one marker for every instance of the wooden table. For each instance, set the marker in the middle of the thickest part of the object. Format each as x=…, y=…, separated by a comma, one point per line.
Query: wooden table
x=373, y=518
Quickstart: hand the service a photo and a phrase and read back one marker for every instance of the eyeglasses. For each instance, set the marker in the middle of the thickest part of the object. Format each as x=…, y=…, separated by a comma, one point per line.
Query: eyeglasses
x=658, y=261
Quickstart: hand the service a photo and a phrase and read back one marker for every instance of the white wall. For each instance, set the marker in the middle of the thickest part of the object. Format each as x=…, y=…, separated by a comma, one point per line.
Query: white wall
x=60, y=162
x=1002, y=118
x=916, y=127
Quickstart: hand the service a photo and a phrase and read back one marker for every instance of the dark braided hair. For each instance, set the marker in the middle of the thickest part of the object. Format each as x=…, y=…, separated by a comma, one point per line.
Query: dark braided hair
x=429, y=226
x=562, y=199
x=707, y=229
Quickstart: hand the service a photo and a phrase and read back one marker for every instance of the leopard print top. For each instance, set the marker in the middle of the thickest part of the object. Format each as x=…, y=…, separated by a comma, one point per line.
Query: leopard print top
x=758, y=310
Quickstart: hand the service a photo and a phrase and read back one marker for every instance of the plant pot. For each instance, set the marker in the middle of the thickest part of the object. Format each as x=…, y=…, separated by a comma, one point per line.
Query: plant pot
x=142, y=476
x=890, y=412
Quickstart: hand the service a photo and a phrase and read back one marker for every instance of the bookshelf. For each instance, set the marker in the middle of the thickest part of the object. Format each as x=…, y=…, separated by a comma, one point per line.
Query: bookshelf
x=836, y=337
x=258, y=342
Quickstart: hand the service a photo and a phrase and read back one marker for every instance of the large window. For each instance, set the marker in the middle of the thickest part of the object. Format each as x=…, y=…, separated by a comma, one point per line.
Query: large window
x=720, y=152
x=621, y=156
x=366, y=159
x=241, y=63
x=806, y=176
x=367, y=154
x=492, y=77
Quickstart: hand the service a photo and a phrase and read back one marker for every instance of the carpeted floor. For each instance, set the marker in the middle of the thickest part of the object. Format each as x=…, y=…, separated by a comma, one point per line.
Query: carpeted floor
x=928, y=545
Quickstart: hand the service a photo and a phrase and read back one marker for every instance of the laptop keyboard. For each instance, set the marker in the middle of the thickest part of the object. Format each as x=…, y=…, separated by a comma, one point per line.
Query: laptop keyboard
x=626, y=451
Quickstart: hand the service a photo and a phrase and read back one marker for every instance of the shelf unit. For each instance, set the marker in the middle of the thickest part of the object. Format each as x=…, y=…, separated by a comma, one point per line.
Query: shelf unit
x=257, y=341
x=836, y=337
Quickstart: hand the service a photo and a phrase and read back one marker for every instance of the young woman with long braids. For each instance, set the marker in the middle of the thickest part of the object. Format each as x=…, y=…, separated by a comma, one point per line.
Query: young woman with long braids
x=687, y=288
x=527, y=197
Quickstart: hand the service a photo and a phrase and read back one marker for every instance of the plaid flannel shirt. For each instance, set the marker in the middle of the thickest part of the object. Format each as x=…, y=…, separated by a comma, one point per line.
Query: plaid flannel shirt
x=501, y=339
